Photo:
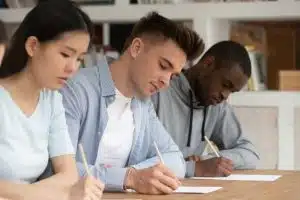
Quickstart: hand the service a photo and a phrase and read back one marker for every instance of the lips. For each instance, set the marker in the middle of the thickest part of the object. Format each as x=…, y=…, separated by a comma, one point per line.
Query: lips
x=62, y=80
x=215, y=101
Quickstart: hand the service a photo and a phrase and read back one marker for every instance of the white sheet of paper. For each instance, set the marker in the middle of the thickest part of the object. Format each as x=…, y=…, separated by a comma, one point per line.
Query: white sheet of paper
x=192, y=190
x=243, y=177
x=196, y=190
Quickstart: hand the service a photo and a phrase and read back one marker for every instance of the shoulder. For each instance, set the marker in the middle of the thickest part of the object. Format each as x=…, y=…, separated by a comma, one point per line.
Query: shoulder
x=222, y=108
x=51, y=99
x=50, y=96
x=88, y=77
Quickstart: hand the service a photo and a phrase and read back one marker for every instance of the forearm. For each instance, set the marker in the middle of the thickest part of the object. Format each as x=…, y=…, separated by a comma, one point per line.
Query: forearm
x=18, y=191
x=173, y=160
x=241, y=158
x=53, y=188
x=14, y=191
x=60, y=180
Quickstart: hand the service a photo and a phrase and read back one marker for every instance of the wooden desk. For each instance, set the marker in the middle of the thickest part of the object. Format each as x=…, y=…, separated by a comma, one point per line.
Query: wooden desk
x=285, y=188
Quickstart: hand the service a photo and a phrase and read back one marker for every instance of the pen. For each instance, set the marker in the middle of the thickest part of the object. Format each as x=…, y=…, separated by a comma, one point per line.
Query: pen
x=84, y=159
x=212, y=147
x=158, y=153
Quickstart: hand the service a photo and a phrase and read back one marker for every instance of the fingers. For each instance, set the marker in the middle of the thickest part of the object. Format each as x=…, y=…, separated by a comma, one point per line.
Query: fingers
x=96, y=192
x=225, y=167
x=228, y=164
x=98, y=184
x=167, y=181
x=222, y=171
x=165, y=170
x=92, y=196
x=160, y=187
x=94, y=187
x=170, y=182
x=192, y=158
x=156, y=180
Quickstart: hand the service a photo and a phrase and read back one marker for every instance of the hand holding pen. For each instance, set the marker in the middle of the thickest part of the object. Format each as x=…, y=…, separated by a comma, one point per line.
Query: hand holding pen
x=158, y=179
x=87, y=187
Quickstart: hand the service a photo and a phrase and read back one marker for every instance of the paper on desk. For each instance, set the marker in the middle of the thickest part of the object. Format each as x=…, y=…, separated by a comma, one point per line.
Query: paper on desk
x=196, y=190
x=192, y=190
x=243, y=177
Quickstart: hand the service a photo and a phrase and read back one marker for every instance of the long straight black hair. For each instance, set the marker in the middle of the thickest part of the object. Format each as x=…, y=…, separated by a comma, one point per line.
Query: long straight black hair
x=47, y=21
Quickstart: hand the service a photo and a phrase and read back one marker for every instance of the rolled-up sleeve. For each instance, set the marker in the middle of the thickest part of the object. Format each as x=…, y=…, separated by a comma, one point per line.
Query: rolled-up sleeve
x=171, y=154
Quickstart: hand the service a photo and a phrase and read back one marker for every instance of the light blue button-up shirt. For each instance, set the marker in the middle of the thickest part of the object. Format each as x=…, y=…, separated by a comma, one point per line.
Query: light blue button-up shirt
x=86, y=98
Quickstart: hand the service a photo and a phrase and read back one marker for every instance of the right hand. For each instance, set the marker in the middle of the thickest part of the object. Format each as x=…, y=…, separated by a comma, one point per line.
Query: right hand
x=214, y=167
x=87, y=188
x=154, y=180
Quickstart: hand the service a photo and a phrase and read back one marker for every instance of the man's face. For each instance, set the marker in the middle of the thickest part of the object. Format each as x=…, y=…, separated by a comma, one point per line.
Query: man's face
x=154, y=64
x=217, y=85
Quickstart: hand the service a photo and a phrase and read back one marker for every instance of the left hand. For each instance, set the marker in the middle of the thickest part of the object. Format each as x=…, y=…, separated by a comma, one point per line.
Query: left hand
x=193, y=158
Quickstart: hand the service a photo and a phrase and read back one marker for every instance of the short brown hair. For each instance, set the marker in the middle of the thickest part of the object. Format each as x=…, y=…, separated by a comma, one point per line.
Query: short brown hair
x=156, y=25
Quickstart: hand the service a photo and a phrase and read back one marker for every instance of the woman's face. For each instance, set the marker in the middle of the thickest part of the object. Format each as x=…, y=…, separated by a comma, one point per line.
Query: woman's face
x=52, y=63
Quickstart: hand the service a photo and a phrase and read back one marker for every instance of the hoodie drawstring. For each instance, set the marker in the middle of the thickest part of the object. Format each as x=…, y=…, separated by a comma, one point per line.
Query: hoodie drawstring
x=191, y=120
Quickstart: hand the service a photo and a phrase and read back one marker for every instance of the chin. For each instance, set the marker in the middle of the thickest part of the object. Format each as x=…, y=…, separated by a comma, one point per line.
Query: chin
x=55, y=87
x=142, y=95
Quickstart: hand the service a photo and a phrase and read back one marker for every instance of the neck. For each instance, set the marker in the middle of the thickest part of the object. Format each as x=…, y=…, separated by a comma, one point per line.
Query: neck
x=120, y=75
x=196, y=78
x=190, y=76
x=22, y=84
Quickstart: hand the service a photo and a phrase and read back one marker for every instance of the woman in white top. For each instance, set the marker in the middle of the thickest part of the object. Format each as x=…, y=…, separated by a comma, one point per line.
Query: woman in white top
x=44, y=52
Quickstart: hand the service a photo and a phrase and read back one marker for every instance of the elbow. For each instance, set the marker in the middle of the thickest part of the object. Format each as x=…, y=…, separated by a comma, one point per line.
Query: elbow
x=182, y=168
x=249, y=163
x=252, y=163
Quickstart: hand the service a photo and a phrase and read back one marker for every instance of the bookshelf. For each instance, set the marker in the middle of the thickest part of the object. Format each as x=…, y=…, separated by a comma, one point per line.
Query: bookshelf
x=282, y=9
x=207, y=18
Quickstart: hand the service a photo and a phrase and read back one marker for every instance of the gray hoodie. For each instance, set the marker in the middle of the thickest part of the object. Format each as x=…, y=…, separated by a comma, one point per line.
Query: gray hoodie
x=221, y=126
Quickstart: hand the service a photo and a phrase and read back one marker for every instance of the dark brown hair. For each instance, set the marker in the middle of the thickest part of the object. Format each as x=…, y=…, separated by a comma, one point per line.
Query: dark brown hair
x=47, y=21
x=160, y=27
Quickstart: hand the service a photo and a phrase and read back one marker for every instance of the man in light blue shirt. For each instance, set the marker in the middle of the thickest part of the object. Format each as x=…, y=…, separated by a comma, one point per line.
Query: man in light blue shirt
x=97, y=100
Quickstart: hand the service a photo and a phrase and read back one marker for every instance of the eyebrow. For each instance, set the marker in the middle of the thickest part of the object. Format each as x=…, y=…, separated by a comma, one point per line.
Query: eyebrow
x=74, y=50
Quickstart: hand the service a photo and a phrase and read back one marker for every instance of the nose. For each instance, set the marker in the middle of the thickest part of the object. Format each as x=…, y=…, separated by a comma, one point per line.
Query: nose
x=164, y=81
x=71, y=67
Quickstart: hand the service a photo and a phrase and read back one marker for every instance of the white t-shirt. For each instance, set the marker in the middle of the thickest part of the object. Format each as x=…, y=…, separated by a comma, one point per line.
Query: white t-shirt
x=116, y=142
x=26, y=143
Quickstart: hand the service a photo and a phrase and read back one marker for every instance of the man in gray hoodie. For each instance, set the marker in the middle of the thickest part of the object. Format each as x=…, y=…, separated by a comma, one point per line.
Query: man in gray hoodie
x=195, y=106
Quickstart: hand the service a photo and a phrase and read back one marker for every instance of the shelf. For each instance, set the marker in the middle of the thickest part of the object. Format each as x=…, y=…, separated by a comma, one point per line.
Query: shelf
x=265, y=98
x=189, y=11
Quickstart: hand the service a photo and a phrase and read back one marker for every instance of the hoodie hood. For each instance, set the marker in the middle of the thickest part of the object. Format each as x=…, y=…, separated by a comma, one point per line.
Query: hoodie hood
x=181, y=86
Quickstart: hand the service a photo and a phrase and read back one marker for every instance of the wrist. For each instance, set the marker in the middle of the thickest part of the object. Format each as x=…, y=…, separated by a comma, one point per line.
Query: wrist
x=129, y=178
x=198, y=169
